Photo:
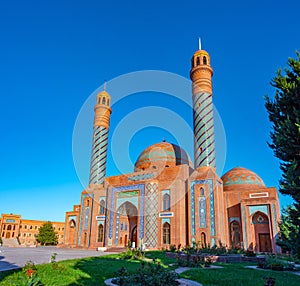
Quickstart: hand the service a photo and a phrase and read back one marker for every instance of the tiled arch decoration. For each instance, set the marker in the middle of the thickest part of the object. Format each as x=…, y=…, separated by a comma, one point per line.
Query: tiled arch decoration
x=211, y=204
x=139, y=187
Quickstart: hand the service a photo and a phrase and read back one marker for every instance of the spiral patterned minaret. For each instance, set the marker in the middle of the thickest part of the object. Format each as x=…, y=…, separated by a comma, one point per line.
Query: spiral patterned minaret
x=100, y=138
x=204, y=139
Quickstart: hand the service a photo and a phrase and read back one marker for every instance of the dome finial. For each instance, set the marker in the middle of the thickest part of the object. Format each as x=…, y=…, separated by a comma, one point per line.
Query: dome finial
x=104, y=85
x=164, y=139
x=199, y=42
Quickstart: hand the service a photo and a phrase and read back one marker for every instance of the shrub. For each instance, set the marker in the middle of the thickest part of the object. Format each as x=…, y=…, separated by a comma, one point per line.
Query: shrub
x=250, y=253
x=173, y=248
x=148, y=274
x=133, y=254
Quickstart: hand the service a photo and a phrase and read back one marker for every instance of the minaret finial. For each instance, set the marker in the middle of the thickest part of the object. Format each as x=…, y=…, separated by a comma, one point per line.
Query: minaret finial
x=199, y=41
x=104, y=85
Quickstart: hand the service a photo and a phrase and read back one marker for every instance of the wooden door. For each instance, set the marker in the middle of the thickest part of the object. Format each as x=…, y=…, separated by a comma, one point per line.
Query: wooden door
x=265, y=242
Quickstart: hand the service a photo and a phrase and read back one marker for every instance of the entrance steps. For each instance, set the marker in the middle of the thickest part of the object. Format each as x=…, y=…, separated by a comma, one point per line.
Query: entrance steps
x=10, y=242
x=116, y=249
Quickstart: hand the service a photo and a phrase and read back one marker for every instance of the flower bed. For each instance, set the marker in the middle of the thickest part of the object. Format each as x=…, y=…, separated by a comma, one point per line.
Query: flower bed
x=230, y=258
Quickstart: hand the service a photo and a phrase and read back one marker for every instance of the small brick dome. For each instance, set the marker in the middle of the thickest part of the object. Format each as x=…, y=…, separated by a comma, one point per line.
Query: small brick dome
x=162, y=154
x=239, y=178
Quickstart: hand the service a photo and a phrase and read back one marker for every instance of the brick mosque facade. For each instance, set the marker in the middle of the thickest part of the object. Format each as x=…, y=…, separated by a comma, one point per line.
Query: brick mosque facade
x=167, y=199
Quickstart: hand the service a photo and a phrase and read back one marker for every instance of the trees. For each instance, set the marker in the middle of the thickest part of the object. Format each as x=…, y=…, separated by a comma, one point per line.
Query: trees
x=47, y=235
x=284, y=114
x=288, y=231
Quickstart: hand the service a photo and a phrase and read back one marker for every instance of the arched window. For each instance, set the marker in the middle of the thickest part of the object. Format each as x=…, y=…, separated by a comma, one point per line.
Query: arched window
x=203, y=239
x=9, y=227
x=103, y=100
x=235, y=234
x=100, y=233
x=4, y=226
x=102, y=207
x=166, y=233
x=108, y=102
x=166, y=202
x=201, y=191
x=72, y=223
x=192, y=62
x=87, y=203
x=204, y=60
x=198, y=61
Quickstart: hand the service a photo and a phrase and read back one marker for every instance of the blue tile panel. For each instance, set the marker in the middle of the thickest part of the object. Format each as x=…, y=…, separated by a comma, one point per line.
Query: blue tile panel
x=139, y=187
x=211, y=204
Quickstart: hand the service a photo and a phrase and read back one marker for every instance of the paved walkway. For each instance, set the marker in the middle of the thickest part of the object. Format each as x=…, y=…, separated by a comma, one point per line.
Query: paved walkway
x=256, y=268
x=16, y=257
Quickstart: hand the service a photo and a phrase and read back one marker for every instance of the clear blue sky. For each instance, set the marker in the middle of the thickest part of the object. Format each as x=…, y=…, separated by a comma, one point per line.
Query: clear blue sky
x=54, y=54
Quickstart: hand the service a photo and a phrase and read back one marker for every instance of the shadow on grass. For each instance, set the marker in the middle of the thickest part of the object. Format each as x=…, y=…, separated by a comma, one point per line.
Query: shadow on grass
x=7, y=268
x=4, y=274
x=98, y=269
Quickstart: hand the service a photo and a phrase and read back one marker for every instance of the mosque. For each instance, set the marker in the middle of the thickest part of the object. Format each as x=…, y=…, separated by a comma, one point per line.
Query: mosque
x=168, y=200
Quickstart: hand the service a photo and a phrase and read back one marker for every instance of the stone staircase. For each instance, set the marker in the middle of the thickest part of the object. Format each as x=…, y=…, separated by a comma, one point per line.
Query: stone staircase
x=116, y=249
x=10, y=242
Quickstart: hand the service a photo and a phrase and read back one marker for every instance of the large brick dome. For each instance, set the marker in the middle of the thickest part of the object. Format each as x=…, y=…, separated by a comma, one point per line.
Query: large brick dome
x=241, y=178
x=162, y=154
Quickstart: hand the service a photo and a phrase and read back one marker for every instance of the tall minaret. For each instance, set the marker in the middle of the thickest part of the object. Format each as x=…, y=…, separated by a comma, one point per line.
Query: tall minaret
x=204, y=139
x=100, y=138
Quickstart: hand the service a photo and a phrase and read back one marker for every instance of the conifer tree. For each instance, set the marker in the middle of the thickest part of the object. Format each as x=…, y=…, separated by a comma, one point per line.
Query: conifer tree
x=284, y=114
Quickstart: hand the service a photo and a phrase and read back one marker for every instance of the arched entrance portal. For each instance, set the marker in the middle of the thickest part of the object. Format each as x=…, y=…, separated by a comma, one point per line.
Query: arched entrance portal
x=127, y=221
x=262, y=232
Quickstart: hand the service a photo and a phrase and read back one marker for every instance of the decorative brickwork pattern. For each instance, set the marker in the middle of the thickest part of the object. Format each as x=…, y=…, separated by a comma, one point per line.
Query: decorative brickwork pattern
x=204, y=130
x=151, y=213
x=99, y=154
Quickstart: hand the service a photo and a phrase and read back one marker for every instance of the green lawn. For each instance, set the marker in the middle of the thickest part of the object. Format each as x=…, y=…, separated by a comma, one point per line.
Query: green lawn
x=86, y=271
x=95, y=270
x=236, y=274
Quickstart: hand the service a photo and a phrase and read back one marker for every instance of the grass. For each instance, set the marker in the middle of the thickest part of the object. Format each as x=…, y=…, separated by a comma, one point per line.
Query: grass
x=85, y=271
x=95, y=270
x=236, y=274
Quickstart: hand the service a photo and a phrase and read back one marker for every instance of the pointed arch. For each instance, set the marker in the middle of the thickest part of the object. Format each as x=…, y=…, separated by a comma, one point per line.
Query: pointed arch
x=166, y=202
x=102, y=207
x=72, y=223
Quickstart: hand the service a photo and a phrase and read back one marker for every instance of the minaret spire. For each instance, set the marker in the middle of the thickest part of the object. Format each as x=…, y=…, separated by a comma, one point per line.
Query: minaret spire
x=100, y=138
x=199, y=43
x=204, y=138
